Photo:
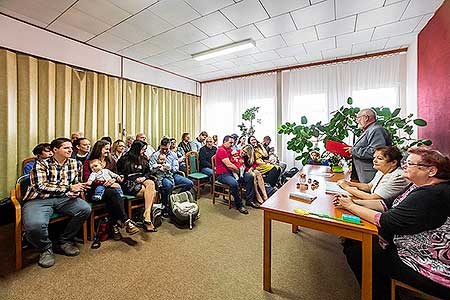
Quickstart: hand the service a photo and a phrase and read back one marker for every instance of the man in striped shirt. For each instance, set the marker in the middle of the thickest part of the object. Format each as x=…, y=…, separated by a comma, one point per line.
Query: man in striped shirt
x=55, y=187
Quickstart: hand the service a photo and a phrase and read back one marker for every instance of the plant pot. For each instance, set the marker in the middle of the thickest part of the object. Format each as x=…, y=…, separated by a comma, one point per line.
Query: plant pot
x=337, y=169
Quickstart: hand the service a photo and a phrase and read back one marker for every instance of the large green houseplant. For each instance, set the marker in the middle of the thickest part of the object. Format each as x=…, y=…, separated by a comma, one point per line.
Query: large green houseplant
x=306, y=138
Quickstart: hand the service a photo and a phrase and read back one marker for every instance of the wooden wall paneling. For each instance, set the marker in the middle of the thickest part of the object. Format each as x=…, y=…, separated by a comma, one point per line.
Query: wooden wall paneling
x=91, y=104
x=27, y=105
x=154, y=115
x=148, y=121
x=129, y=107
x=102, y=107
x=140, y=118
x=78, y=101
x=46, y=101
x=63, y=100
x=161, y=111
x=8, y=116
x=114, y=110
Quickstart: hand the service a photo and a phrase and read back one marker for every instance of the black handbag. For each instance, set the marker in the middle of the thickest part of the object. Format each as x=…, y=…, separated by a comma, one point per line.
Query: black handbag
x=131, y=187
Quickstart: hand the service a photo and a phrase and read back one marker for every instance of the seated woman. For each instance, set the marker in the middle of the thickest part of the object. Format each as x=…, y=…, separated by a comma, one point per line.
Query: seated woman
x=272, y=172
x=248, y=154
x=41, y=151
x=414, y=240
x=134, y=166
x=388, y=181
x=111, y=196
x=118, y=149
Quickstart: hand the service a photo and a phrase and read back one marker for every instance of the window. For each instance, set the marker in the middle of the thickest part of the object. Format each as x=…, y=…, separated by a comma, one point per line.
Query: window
x=314, y=107
x=386, y=97
x=267, y=115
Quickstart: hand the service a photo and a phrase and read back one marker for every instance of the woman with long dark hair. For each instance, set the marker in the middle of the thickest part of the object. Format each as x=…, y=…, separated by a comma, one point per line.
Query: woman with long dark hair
x=112, y=198
x=136, y=171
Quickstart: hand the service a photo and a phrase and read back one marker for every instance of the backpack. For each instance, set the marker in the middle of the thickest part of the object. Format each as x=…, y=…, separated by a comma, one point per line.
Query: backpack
x=183, y=209
x=286, y=176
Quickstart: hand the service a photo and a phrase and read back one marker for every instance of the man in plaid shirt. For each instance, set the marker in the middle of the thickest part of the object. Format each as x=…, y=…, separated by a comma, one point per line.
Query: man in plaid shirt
x=55, y=187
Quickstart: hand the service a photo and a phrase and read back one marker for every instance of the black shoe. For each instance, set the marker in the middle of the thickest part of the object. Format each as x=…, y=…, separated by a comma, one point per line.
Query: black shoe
x=253, y=204
x=243, y=210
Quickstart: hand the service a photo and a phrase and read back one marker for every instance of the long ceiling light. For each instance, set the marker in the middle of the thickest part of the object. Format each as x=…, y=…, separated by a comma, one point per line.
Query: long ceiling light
x=223, y=50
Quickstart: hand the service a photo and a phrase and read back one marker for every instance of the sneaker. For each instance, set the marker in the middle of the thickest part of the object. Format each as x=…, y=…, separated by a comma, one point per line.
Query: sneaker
x=253, y=204
x=116, y=233
x=243, y=210
x=96, y=198
x=131, y=228
x=69, y=249
x=47, y=259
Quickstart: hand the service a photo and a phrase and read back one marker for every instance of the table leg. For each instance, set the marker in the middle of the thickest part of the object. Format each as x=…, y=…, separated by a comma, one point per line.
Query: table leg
x=294, y=228
x=366, y=288
x=267, y=268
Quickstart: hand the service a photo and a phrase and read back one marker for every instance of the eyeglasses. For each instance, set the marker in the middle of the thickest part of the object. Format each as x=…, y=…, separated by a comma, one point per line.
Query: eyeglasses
x=359, y=117
x=407, y=164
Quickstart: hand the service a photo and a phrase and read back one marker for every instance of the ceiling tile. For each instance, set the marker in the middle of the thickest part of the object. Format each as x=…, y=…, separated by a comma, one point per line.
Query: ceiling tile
x=346, y=8
x=133, y=6
x=337, y=27
x=102, y=10
x=42, y=11
x=346, y=40
x=176, y=12
x=146, y=48
x=300, y=36
x=401, y=40
x=291, y=51
x=320, y=45
x=389, y=2
x=369, y=46
x=193, y=48
x=278, y=7
x=249, y=51
x=420, y=7
x=265, y=65
x=217, y=41
x=314, y=14
x=32, y=20
x=270, y=43
x=423, y=22
x=203, y=69
x=208, y=6
x=245, y=12
x=83, y=21
x=166, y=41
x=176, y=55
x=186, y=33
x=244, y=60
x=149, y=22
x=133, y=53
x=264, y=56
x=381, y=16
x=303, y=59
x=129, y=32
x=158, y=60
x=285, y=61
x=224, y=65
x=69, y=30
x=109, y=42
x=243, y=33
x=213, y=24
x=397, y=28
x=277, y=25
x=338, y=52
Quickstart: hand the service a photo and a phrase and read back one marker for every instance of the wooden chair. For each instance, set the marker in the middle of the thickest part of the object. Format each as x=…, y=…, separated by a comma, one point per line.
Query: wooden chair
x=16, y=198
x=26, y=161
x=193, y=172
x=219, y=188
x=395, y=283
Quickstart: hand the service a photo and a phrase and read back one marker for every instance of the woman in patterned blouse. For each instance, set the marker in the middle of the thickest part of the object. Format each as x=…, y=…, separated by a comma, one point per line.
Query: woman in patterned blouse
x=414, y=228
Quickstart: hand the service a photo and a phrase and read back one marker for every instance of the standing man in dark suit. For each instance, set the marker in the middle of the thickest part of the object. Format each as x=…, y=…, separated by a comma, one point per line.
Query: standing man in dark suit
x=374, y=135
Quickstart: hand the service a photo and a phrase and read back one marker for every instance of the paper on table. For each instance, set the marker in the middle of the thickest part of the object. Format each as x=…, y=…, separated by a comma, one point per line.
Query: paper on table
x=304, y=196
x=334, y=188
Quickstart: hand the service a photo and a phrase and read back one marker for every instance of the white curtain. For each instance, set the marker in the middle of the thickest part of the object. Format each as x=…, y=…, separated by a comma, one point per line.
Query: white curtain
x=223, y=103
x=317, y=91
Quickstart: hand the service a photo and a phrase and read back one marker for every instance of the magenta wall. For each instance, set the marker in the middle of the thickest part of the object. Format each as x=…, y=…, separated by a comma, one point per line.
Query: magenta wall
x=433, y=79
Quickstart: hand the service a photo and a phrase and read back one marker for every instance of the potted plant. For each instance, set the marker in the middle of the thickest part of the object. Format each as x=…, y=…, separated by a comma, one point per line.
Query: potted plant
x=249, y=115
x=305, y=138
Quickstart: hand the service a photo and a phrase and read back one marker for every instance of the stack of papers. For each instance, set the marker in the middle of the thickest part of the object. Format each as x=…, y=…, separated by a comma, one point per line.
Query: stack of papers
x=304, y=196
x=334, y=188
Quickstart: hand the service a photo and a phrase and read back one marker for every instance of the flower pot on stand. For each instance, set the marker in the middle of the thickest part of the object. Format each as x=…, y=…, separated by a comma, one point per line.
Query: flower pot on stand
x=337, y=169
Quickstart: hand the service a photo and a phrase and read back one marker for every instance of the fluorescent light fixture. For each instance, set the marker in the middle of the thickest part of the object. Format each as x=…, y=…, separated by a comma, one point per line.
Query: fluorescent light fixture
x=223, y=50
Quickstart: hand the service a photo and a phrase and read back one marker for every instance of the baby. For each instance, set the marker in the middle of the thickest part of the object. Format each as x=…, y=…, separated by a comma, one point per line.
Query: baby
x=102, y=175
x=238, y=161
x=273, y=158
x=162, y=170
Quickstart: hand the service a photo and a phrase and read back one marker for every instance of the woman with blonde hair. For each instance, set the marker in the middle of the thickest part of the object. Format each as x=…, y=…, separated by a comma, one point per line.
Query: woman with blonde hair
x=248, y=154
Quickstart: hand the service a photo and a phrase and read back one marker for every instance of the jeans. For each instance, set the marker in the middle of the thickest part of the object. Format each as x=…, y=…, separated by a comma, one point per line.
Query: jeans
x=207, y=171
x=247, y=180
x=36, y=216
x=167, y=187
x=100, y=190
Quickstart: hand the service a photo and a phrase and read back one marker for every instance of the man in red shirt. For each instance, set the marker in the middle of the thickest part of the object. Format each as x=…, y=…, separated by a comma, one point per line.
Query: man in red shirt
x=224, y=171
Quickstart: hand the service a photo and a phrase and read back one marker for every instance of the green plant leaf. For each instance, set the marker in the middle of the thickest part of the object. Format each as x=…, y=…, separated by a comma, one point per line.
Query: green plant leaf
x=349, y=100
x=395, y=112
x=303, y=120
x=420, y=122
x=427, y=142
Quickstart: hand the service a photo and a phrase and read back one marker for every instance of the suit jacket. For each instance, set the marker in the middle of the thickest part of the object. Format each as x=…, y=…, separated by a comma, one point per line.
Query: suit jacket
x=362, y=151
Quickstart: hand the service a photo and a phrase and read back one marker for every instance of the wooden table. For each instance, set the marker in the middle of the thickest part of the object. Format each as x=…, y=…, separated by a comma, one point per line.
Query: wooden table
x=280, y=207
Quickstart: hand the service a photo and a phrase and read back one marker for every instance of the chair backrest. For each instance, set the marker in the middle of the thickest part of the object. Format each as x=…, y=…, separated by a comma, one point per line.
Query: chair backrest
x=213, y=165
x=22, y=184
x=26, y=161
x=192, y=162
